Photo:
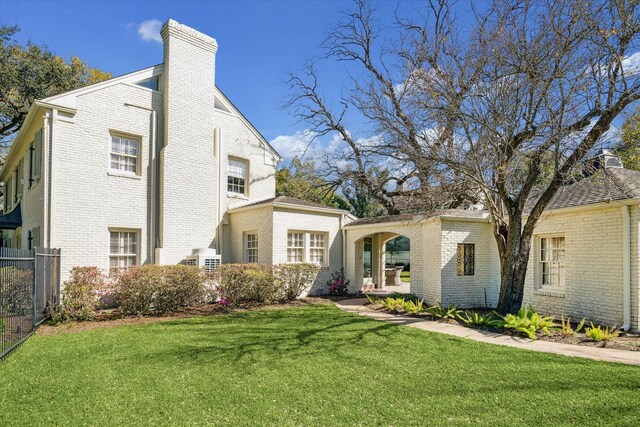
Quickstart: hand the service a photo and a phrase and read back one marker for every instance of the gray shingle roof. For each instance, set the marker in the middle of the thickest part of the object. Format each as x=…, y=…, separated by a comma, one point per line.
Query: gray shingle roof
x=289, y=201
x=606, y=185
x=459, y=213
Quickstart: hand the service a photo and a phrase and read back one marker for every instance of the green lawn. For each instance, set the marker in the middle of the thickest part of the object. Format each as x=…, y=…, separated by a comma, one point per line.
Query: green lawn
x=405, y=276
x=313, y=365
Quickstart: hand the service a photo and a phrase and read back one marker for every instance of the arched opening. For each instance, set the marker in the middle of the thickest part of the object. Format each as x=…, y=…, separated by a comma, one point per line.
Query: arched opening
x=381, y=259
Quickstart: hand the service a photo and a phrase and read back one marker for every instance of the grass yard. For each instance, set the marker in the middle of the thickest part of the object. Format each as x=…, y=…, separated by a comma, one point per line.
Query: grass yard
x=313, y=365
x=405, y=276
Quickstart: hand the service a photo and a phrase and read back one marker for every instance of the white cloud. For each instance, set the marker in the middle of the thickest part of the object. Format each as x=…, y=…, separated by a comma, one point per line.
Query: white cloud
x=149, y=30
x=290, y=146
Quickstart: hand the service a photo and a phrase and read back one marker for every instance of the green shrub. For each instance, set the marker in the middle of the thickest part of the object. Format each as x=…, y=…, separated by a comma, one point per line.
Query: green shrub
x=405, y=297
x=136, y=288
x=414, y=307
x=180, y=286
x=566, y=329
x=373, y=299
x=80, y=296
x=475, y=319
x=448, y=312
x=293, y=279
x=597, y=333
x=527, y=322
x=393, y=304
x=166, y=288
x=240, y=284
x=16, y=292
x=338, y=285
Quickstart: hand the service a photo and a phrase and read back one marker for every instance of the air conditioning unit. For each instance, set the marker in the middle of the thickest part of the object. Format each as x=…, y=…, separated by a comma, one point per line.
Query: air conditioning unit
x=205, y=258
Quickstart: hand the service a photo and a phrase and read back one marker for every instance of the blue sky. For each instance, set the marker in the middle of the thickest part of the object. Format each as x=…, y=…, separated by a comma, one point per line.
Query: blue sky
x=259, y=43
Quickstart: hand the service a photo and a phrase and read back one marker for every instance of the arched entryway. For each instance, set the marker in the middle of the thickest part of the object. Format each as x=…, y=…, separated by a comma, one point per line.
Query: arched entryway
x=380, y=259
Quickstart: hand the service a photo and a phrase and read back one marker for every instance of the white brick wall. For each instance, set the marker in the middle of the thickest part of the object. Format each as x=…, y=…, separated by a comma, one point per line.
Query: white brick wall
x=593, y=253
x=469, y=291
x=258, y=220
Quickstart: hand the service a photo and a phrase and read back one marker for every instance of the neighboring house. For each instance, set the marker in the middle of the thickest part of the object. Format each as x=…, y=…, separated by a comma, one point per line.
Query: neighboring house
x=584, y=261
x=153, y=165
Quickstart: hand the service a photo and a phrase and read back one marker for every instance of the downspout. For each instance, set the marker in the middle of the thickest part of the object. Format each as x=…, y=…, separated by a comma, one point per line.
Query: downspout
x=219, y=207
x=344, y=242
x=151, y=238
x=51, y=193
x=626, y=268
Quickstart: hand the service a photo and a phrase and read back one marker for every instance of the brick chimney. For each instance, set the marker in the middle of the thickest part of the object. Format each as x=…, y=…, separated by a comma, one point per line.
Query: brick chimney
x=187, y=164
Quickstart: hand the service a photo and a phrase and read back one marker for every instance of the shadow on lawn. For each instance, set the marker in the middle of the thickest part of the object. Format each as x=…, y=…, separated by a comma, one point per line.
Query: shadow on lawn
x=247, y=337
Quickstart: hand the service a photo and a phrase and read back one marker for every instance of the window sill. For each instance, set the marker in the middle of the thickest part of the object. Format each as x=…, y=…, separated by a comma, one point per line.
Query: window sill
x=550, y=293
x=124, y=175
x=34, y=184
x=237, y=196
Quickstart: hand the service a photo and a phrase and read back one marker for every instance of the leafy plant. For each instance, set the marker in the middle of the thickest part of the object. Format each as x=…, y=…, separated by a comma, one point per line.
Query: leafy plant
x=338, y=285
x=528, y=322
x=566, y=329
x=476, y=319
x=597, y=333
x=373, y=299
x=414, y=307
x=293, y=279
x=441, y=312
x=406, y=297
x=393, y=304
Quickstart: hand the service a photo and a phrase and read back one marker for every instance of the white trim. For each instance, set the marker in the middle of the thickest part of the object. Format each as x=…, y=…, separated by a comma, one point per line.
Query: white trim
x=626, y=269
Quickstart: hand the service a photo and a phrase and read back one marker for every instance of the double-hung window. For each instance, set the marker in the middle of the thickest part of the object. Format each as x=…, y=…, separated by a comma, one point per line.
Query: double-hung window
x=18, y=181
x=123, y=249
x=466, y=259
x=251, y=248
x=551, y=261
x=295, y=247
x=317, y=248
x=237, y=176
x=125, y=153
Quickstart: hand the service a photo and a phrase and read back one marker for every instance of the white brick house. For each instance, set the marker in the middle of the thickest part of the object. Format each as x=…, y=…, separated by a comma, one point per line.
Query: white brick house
x=146, y=167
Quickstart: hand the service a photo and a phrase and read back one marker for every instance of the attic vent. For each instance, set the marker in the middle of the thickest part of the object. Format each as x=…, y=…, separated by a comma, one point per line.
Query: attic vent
x=612, y=162
x=150, y=83
x=604, y=159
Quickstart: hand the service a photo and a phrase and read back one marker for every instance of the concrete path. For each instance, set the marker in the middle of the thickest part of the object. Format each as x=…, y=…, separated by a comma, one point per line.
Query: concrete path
x=356, y=306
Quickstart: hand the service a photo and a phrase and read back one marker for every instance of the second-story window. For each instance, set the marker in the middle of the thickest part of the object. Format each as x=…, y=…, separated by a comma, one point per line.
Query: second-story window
x=237, y=176
x=125, y=154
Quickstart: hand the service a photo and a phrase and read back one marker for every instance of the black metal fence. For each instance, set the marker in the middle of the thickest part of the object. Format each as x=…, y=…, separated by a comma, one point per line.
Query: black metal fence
x=29, y=285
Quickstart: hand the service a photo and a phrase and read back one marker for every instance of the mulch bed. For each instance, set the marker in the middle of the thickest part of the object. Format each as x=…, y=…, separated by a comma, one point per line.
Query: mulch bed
x=111, y=318
x=626, y=341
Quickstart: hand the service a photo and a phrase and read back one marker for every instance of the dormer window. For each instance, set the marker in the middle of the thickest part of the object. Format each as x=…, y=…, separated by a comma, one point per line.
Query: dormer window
x=237, y=176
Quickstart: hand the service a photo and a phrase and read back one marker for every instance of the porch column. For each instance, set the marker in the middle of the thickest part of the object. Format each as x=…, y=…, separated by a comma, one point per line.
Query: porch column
x=358, y=277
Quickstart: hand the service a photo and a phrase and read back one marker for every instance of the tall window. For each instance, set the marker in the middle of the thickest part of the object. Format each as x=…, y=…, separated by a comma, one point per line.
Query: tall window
x=124, y=249
x=316, y=248
x=551, y=261
x=295, y=247
x=8, y=195
x=124, y=154
x=251, y=247
x=466, y=259
x=237, y=176
x=19, y=180
x=35, y=159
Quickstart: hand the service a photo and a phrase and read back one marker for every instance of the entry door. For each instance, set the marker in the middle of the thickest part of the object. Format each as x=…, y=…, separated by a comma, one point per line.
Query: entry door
x=367, y=259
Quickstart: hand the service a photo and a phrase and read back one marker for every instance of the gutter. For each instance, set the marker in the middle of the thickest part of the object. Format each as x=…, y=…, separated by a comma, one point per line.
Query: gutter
x=626, y=268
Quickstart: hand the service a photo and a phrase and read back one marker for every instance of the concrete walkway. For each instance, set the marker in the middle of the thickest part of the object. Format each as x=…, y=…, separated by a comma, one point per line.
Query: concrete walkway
x=356, y=306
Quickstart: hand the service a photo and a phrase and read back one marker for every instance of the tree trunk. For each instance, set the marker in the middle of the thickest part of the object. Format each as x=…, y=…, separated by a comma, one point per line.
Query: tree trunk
x=514, y=249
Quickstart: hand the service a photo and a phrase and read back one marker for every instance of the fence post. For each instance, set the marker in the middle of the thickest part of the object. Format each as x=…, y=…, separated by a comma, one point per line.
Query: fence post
x=34, y=284
x=58, y=257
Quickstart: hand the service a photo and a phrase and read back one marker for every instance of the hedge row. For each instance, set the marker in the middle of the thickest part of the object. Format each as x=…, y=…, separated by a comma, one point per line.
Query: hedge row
x=168, y=288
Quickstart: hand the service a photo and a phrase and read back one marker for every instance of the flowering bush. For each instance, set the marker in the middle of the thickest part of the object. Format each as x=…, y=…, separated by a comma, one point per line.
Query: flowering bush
x=80, y=296
x=338, y=285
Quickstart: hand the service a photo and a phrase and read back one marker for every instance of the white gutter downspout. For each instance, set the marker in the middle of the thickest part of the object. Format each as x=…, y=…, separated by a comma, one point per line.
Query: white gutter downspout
x=51, y=174
x=344, y=242
x=219, y=207
x=152, y=206
x=626, y=268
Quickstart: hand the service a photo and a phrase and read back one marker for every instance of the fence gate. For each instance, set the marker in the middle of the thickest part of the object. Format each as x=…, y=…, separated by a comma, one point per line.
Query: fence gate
x=29, y=284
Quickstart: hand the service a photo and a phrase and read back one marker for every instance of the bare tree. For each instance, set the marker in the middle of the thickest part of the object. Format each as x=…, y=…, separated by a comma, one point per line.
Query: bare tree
x=507, y=107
